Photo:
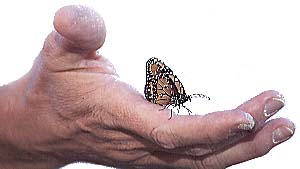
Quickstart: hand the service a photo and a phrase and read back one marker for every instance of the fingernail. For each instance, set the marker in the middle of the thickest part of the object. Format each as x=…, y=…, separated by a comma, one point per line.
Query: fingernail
x=281, y=134
x=248, y=124
x=273, y=105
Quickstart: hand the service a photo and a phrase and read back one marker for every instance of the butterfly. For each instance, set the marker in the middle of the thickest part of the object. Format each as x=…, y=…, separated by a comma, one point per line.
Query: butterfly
x=164, y=88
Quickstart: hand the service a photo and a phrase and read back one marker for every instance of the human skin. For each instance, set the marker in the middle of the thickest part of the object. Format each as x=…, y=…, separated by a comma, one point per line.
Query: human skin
x=71, y=106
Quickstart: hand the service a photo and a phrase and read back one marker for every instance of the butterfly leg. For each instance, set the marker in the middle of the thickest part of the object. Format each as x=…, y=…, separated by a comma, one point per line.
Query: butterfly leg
x=189, y=111
x=178, y=109
x=173, y=112
x=163, y=108
x=167, y=106
x=171, y=115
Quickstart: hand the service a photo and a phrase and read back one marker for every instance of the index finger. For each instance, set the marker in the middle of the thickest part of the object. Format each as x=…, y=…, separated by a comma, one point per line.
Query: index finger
x=212, y=128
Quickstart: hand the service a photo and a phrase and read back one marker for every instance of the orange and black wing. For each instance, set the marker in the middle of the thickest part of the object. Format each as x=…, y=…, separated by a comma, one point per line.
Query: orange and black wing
x=165, y=90
x=162, y=86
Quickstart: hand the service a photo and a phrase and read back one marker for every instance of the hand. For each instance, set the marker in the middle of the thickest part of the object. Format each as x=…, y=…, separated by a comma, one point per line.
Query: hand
x=71, y=106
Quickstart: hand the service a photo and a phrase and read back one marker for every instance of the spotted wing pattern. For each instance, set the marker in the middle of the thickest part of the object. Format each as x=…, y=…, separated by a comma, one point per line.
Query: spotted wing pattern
x=163, y=87
x=161, y=83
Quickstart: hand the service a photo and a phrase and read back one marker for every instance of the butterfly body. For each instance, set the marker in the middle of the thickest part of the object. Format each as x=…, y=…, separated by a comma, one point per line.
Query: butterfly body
x=163, y=87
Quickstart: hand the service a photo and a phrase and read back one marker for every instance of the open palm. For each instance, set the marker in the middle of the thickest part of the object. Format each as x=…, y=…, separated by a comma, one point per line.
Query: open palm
x=75, y=108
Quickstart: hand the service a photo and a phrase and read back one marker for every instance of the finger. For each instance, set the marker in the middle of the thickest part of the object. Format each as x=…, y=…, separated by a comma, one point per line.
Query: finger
x=263, y=106
x=273, y=133
x=212, y=130
x=182, y=131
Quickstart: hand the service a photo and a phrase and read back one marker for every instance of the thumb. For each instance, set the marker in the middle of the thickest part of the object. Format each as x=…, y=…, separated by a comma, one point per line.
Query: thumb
x=81, y=27
x=79, y=32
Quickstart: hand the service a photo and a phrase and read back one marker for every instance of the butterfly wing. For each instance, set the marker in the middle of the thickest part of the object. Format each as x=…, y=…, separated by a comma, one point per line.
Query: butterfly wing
x=178, y=87
x=154, y=69
x=164, y=90
x=162, y=86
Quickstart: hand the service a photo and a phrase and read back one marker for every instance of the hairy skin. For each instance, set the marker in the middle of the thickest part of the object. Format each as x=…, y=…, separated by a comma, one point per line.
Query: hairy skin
x=70, y=107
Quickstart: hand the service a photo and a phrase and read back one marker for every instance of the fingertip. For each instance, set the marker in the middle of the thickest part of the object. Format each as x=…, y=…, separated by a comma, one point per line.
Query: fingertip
x=275, y=132
x=283, y=131
x=263, y=106
x=81, y=26
x=248, y=122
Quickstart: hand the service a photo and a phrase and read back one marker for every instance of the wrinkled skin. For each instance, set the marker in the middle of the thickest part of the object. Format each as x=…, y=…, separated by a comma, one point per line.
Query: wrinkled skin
x=71, y=107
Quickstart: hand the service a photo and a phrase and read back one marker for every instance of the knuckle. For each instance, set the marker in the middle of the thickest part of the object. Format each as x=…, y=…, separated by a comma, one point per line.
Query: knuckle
x=164, y=137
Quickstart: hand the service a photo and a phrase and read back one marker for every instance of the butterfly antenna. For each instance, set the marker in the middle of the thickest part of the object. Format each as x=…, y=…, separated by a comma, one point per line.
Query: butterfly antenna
x=200, y=96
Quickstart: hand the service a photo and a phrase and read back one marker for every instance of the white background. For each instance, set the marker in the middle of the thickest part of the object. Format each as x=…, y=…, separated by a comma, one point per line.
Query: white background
x=230, y=50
